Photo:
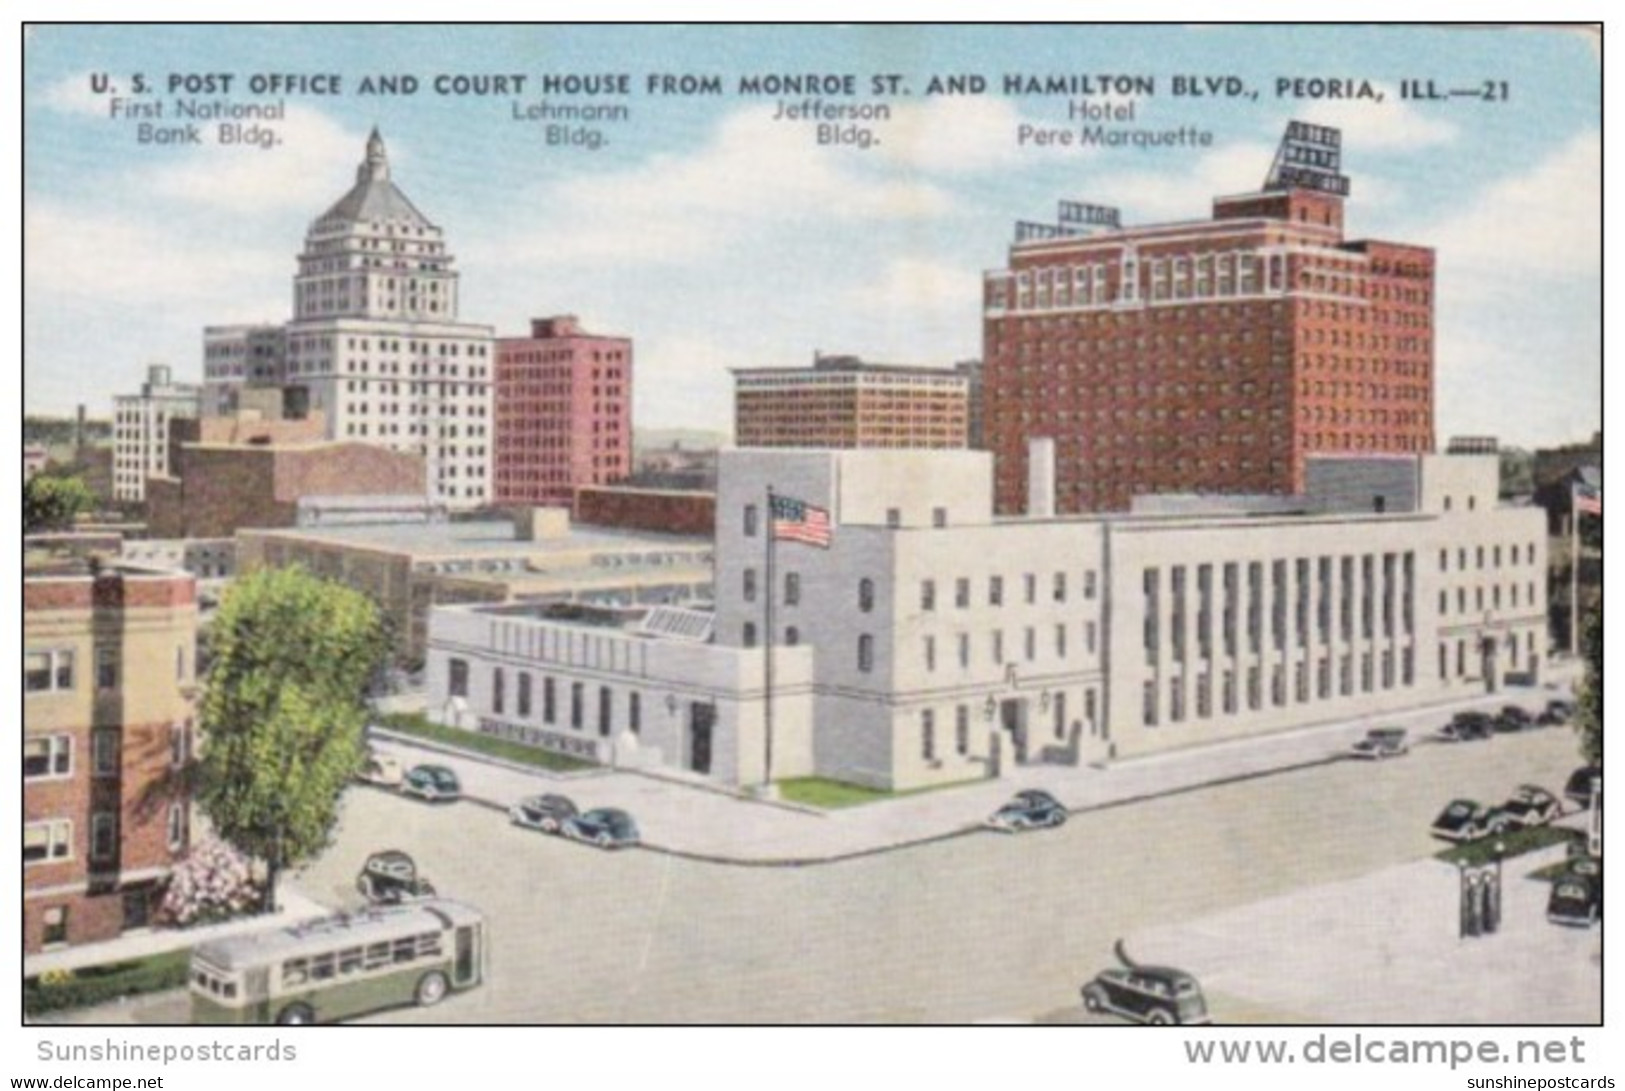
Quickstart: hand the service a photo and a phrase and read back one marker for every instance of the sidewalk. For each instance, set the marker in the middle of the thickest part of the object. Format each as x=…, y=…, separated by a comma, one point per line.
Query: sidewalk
x=295, y=907
x=707, y=823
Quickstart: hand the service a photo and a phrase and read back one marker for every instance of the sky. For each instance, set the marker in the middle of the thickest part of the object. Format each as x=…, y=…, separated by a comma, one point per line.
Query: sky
x=717, y=237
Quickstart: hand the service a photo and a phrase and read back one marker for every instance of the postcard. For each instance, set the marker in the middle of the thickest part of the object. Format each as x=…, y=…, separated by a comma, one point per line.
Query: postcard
x=816, y=525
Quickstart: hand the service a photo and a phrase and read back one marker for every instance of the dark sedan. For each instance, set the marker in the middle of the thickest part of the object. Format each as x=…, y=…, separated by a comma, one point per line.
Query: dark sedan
x=1465, y=820
x=1468, y=727
x=435, y=783
x=544, y=812
x=1578, y=789
x=1031, y=809
x=1556, y=713
x=1514, y=718
x=1154, y=995
x=606, y=827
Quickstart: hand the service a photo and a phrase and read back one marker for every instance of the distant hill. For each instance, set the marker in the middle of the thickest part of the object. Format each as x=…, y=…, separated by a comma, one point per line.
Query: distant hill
x=690, y=439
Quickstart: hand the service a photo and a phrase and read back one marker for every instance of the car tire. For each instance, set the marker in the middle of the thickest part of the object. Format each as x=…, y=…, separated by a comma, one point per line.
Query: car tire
x=367, y=888
x=296, y=1015
x=548, y=825
x=426, y=889
x=1157, y=1017
x=1057, y=818
x=603, y=841
x=1091, y=1002
x=432, y=989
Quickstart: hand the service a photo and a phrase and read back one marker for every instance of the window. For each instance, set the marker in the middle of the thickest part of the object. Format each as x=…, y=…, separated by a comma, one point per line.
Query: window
x=576, y=701
x=995, y=591
x=928, y=734
x=103, y=835
x=47, y=841
x=792, y=636
x=606, y=710
x=1030, y=583
x=177, y=826
x=792, y=588
x=524, y=695
x=964, y=650
x=178, y=733
x=930, y=653
x=1089, y=585
x=106, y=668
x=549, y=700
x=498, y=688
x=894, y=517
x=55, y=932
x=1030, y=643
x=48, y=671
x=748, y=634
x=1058, y=593
x=939, y=517
x=1090, y=632
x=962, y=729
x=634, y=712
x=866, y=653
x=962, y=593
x=750, y=520
x=457, y=677
x=928, y=594
x=47, y=756
x=1060, y=641
x=749, y=588
x=104, y=753
x=866, y=594
x=998, y=645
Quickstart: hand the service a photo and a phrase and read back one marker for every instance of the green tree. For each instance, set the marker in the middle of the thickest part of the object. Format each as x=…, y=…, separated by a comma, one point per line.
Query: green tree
x=284, y=712
x=1588, y=712
x=1517, y=472
x=50, y=502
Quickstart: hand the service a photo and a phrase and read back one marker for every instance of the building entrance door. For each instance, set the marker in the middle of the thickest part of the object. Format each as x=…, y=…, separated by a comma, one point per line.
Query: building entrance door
x=1013, y=719
x=702, y=718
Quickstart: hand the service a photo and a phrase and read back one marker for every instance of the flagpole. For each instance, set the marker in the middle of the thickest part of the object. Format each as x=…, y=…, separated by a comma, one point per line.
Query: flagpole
x=1574, y=572
x=767, y=651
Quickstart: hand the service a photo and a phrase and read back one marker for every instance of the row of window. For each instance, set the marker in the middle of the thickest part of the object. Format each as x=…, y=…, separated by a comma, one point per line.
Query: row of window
x=524, y=705
x=50, y=840
x=51, y=670
x=50, y=757
x=349, y=961
x=1230, y=699
x=1091, y=634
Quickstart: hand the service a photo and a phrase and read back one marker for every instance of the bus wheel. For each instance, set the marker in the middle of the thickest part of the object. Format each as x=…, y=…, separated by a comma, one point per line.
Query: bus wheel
x=431, y=989
x=296, y=1015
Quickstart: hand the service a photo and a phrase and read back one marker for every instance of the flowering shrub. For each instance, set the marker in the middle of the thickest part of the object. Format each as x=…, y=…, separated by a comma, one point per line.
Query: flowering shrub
x=214, y=883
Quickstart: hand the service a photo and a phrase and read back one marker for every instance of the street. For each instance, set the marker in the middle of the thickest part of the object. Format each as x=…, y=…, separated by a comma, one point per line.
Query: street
x=981, y=927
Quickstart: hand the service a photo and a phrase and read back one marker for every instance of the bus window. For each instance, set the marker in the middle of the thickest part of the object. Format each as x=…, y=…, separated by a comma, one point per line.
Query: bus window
x=321, y=967
x=295, y=971
x=377, y=956
x=405, y=950
x=350, y=960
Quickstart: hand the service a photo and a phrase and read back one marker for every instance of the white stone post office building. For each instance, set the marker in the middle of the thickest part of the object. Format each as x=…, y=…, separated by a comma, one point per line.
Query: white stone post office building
x=933, y=643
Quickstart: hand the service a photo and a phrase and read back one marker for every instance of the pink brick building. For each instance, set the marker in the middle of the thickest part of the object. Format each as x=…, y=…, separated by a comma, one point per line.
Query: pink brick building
x=563, y=412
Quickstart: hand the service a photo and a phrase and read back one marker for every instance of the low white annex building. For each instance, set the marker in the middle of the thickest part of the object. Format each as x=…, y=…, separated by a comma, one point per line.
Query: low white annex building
x=932, y=642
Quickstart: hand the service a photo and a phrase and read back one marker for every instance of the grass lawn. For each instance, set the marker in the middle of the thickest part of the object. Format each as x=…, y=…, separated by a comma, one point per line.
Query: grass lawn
x=1513, y=844
x=414, y=723
x=832, y=794
x=99, y=984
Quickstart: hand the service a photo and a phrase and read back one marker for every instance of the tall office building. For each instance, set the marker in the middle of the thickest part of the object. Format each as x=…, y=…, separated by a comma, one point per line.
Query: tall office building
x=563, y=412
x=141, y=430
x=375, y=343
x=842, y=401
x=1208, y=355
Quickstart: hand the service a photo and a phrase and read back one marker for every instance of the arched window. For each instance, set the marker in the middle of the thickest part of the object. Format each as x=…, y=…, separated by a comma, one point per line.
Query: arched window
x=866, y=653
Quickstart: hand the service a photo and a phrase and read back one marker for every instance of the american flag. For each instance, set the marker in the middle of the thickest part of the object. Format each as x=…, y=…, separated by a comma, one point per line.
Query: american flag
x=798, y=521
x=1587, y=500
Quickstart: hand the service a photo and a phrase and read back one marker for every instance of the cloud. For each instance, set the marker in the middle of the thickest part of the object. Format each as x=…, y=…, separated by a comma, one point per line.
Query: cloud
x=962, y=135
x=299, y=172
x=920, y=284
x=1545, y=221
x=72, y=95
x=1390, y=125
x=754, y=175
x=1186, y=192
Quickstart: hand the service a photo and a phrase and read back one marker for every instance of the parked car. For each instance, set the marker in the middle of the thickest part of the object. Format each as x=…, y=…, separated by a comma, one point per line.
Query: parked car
x=1465, y=820
x=1575, y=898
x=1028, y=810
x=1558, y=711
x=1578, y=788
x=434, y=783
x=1468, y=727
x=1530, y=805
x=1514, y=718
x=606, y=827
x=1381, y=742
x=392, y=876
x=1156, y=995
x=381, y=769
x=544, y=812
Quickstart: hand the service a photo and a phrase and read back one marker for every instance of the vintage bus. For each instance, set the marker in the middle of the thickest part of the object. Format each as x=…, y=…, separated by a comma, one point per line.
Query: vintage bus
x=341, y=966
